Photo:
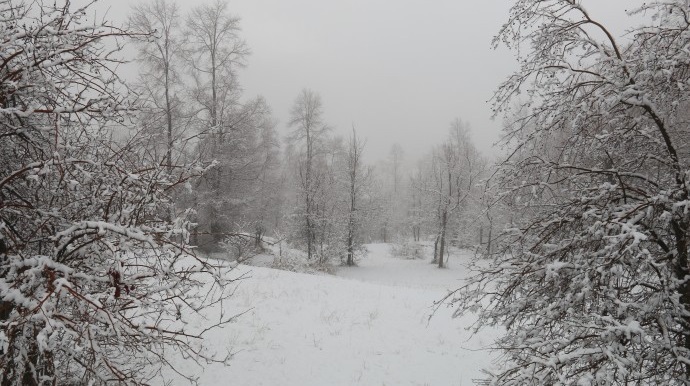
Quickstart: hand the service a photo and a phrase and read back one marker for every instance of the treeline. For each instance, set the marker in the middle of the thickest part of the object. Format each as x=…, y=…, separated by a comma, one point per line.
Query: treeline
x=312, y=188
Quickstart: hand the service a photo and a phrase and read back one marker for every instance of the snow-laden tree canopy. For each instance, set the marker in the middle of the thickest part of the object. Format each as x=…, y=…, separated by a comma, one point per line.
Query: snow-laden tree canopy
x=95, y=275
x=592, y=285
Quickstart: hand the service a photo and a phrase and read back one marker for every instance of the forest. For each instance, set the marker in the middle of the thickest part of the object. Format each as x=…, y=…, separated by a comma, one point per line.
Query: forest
x=142, y=190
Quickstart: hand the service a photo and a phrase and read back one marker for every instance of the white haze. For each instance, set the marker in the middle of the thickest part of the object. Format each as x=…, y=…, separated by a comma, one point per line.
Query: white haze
x=399, y=71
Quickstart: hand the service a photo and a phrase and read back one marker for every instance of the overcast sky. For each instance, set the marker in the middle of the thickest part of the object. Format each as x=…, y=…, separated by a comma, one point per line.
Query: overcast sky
x=400, y=71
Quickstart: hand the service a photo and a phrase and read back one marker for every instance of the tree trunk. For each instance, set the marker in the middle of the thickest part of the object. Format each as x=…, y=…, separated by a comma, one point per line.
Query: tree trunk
x=442, y=242
x=310, y=236
x=350, y=250
x=309, y=198
x=682, y=271
x=168, y=117
x=488, y=244
x=30, y=368
x=214, y=96
x=351, y=227
x=5, y=306
x=435, y=250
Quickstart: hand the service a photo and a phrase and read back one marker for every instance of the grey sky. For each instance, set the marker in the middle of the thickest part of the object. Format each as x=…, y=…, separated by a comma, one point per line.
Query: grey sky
x=399, y=70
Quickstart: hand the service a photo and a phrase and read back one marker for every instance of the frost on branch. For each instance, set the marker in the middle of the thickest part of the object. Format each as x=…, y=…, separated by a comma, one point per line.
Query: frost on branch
x=592, y=287
x=96, y=278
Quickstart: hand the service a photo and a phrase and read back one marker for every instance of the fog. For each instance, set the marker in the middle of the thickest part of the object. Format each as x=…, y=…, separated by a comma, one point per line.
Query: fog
x=400, y=72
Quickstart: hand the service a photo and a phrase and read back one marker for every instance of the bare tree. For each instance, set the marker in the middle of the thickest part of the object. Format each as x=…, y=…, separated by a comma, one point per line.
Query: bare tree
x=456, y=166
x=358, y=180
x=396, y=157
x=234, y=133
x=417, y=213
x=215, y=50
x=392, y=191
x=228, y=198
x=309, y=129
x=160, y=49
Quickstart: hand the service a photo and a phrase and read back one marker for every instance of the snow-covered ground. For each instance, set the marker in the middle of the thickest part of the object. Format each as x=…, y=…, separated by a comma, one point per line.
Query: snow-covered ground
x=368, y=325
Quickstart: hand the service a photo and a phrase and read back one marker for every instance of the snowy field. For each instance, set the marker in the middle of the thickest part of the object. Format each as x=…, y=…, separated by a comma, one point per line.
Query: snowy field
x=368, y=325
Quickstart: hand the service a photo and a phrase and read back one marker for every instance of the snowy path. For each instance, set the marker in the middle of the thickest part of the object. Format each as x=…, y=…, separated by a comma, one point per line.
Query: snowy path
x=367, y=327
x=379, y=267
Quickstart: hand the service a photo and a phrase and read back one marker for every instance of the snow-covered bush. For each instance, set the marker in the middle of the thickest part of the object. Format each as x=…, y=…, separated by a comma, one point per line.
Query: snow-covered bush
x=287, y=258
x=408, y=249
x=594, y=287
x=242, y=246
x=96, y=278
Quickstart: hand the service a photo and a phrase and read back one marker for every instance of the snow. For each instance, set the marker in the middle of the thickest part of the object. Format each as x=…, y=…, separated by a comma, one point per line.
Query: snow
x=367, y=325
x=381, y=268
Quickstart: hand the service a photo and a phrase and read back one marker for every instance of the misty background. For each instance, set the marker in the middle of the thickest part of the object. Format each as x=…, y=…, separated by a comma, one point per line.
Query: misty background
x=399, y=71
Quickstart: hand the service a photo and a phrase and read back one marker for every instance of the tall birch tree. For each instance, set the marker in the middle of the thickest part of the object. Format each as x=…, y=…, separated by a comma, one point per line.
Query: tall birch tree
x=306, y=119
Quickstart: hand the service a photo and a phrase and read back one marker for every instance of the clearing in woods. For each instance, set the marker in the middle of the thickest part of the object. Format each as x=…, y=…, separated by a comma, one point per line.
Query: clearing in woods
x=366, y=325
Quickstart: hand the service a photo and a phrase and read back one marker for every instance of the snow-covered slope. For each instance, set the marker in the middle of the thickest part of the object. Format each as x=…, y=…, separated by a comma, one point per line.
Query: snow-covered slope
x=369, y=325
